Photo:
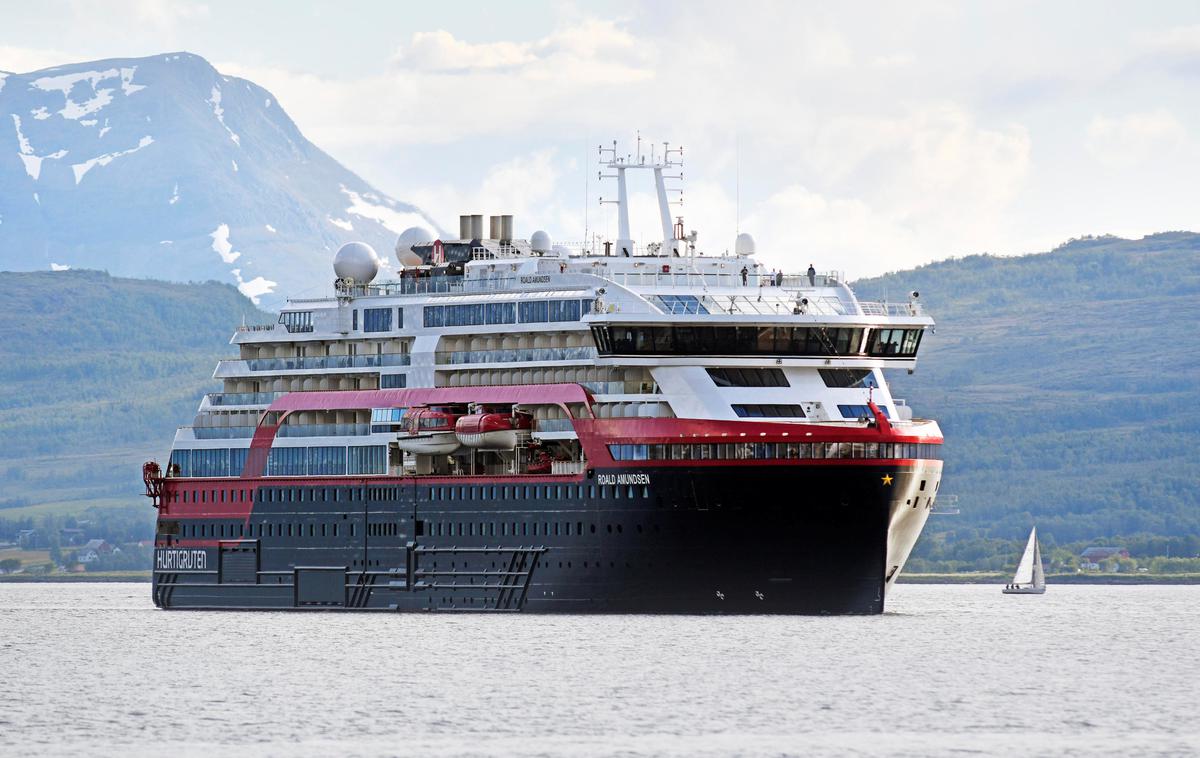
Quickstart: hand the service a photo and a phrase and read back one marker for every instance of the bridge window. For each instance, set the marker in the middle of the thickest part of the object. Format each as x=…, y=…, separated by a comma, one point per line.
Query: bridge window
x=296, y=321
x=393, y=381
x=895, y=342
x=681, y=339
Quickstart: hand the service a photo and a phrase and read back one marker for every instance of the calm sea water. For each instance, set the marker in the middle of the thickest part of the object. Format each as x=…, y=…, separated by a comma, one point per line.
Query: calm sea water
x=96, y=670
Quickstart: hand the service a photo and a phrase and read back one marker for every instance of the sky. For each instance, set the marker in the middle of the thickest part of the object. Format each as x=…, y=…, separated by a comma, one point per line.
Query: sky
x=866, y=138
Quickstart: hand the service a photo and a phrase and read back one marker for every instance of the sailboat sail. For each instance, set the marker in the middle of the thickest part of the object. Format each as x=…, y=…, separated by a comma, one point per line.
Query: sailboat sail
x=1025, y=568
x=1039, y=574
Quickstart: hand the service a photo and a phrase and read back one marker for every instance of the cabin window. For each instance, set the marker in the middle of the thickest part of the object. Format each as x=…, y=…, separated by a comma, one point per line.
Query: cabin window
x=377, y=319
x=862, y=411
x=748, y=377
x=849, y=377
x=768, y=411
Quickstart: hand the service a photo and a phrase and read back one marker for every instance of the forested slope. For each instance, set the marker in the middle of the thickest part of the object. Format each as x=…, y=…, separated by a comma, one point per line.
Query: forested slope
x=97, y=371
x=1067, y=385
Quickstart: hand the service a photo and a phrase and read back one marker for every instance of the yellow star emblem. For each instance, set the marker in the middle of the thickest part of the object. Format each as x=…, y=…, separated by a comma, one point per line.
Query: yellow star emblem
x=887, y=479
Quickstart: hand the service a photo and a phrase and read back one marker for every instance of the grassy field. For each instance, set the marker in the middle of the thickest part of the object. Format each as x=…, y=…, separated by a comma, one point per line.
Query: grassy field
x=26, y=557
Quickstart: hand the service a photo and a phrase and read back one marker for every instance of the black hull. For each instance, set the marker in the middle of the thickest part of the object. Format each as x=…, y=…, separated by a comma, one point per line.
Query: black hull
x=701, y=539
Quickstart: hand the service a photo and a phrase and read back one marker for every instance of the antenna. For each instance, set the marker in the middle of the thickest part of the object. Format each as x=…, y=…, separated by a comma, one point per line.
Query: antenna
x=737, y=182
x=585, y=194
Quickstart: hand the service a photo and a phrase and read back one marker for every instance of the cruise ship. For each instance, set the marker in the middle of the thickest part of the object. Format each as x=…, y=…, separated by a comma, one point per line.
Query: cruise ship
x=516, y=425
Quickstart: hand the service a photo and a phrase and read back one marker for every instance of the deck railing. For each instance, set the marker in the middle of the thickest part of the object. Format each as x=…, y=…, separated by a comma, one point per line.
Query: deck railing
x=518, y=355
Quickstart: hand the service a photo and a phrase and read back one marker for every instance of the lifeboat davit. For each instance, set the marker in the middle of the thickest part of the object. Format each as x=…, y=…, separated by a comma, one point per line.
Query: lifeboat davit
x=494, y=431
x=429, y=431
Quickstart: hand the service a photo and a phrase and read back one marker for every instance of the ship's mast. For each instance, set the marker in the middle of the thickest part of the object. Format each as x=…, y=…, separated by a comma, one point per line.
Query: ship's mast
x=671, y=159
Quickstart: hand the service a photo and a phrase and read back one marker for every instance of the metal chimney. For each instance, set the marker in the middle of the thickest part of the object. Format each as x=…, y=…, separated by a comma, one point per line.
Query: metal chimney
x=506, y=228
x=494, y=224
x=476, y=227
x=464, y=227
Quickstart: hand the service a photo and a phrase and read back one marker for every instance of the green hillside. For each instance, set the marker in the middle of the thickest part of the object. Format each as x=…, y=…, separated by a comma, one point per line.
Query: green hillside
x=1067, y=386
x=97, y=372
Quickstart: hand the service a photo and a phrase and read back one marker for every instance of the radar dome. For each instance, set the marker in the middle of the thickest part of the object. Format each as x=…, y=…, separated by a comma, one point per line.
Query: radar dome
x=541, y=242
x=357, y=261
x=414, y=235
x=744, y=245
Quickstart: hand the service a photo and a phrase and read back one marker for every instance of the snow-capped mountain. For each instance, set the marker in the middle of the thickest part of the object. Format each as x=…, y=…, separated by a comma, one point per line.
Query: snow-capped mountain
x=162, y=167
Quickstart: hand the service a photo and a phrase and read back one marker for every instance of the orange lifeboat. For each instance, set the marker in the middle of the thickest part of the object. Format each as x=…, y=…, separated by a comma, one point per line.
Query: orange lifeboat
x=494, y=431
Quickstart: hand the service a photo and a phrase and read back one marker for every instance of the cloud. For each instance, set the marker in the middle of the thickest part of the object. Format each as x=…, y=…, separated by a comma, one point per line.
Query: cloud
x=163, y=15
x=21, y=60
x=440, y=51
x=588, y=52
x=526, y=186
x=1134, y=139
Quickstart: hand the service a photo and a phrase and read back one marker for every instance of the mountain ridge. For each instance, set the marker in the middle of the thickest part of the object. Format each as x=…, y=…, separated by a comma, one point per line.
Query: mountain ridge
x=163, y=167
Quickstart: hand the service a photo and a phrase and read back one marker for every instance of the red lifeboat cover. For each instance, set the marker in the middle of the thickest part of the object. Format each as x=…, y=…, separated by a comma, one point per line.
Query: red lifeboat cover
x=430, y=420
x=481, y=423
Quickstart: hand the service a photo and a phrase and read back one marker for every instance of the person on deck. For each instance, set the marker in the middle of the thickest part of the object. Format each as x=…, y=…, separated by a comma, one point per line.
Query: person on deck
x=745, y=275
x=812, y=276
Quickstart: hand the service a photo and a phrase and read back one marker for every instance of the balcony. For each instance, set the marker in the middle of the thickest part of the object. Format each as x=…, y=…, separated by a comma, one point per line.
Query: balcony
x=526, y=355
x=311, y=363
x=222, y=432
x=323, y=430
x=242, y=398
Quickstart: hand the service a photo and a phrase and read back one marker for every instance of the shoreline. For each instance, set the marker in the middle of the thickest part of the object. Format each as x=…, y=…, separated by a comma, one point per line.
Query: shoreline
x=1051, y=579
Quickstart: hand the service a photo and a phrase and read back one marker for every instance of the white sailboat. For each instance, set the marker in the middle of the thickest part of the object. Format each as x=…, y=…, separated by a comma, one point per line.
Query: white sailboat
x=1030, y=578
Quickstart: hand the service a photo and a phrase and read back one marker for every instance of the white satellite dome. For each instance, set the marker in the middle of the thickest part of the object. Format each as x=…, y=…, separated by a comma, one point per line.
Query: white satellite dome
x=357, y=261
x=744, y=245
x=413, y=235
x=540, y=242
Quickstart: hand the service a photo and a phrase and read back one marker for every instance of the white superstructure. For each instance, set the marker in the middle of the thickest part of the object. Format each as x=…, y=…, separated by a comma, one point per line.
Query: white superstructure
x=653, y=331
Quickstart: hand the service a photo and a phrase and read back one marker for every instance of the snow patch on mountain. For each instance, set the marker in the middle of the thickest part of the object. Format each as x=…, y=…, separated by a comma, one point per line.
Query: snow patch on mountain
x=59, y=267
x=127, y=85
x=81, y=169
x=255, y=288
x=219, y=112
x=391, y=219
x=221, y=244
x=22, y=141
x=40, y=113
x=33, y=163
x=174, y=195
x=341, y=223
x=270, y=229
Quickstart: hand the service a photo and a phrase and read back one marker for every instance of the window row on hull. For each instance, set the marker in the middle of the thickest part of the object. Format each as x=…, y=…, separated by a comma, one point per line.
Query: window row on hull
x=749, y=451
x=689, y=339
x=282, y=461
